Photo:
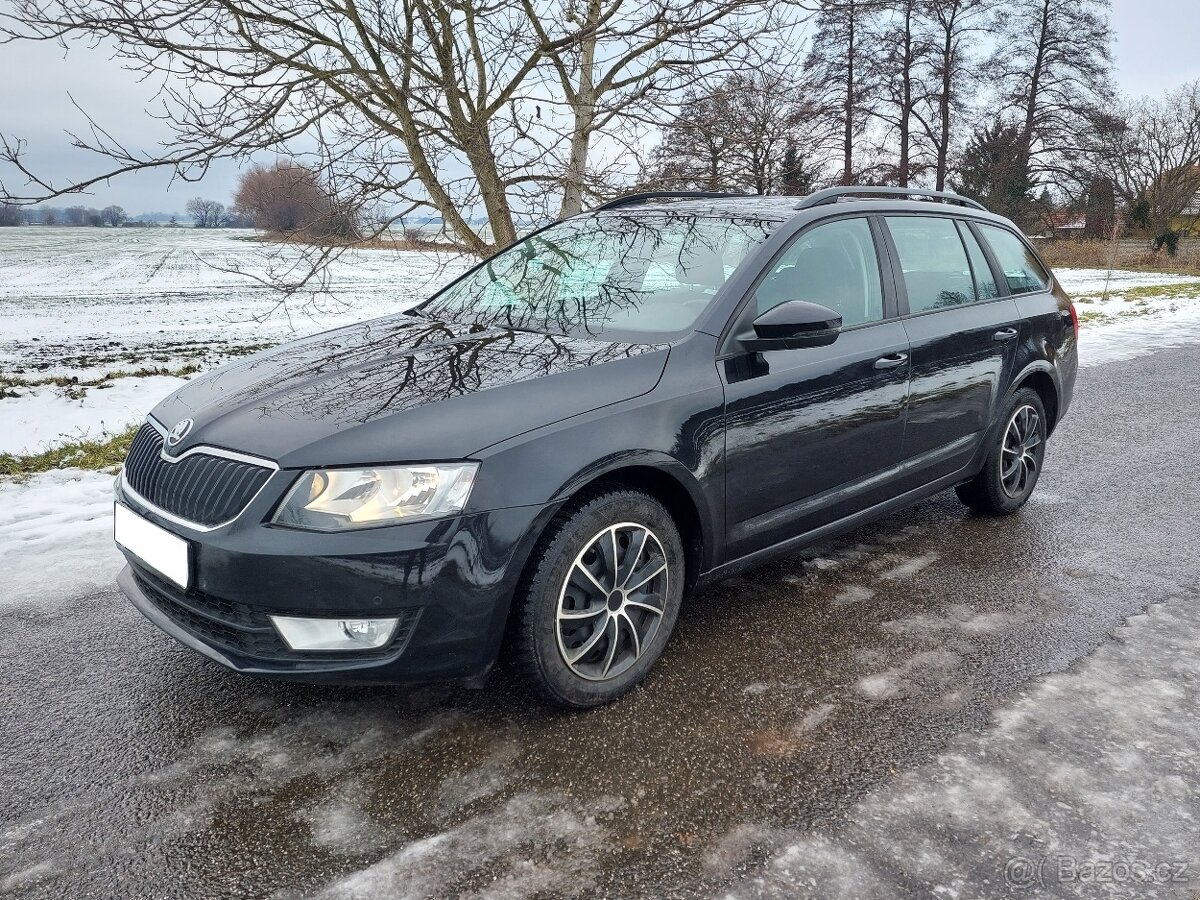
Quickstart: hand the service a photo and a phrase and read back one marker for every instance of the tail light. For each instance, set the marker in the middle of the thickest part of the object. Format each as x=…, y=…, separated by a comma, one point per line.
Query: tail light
x=1075, y=320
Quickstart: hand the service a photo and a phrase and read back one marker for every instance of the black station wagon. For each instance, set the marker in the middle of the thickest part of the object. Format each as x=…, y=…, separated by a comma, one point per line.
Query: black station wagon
x=539, y=462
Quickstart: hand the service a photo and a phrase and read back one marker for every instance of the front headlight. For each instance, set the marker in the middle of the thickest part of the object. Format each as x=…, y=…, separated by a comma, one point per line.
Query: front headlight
x=342, y=499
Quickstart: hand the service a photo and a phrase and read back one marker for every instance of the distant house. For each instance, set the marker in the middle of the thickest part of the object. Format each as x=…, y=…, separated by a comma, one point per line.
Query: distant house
x=1065, y=225
x=1189, y=220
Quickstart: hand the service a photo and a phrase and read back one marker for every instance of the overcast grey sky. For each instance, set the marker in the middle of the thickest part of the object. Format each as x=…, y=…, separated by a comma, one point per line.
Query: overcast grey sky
x=1157, y=47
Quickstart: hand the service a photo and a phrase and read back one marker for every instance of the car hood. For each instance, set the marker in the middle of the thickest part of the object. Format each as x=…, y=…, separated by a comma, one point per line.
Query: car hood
x=402, y=388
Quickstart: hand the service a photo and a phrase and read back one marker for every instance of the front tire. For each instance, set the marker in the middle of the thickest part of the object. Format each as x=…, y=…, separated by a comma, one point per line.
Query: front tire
x=1014, y=463
x=601, y=599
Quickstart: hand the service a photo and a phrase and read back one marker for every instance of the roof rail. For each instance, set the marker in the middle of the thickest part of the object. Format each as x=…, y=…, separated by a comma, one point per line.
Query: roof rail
x=644, y=196
x=833, y=194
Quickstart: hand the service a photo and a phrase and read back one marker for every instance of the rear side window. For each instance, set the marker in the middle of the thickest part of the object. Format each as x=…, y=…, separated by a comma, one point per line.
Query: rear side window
x=933, y=262
x=834, y=265
x=1022, y=271
x=985, y=284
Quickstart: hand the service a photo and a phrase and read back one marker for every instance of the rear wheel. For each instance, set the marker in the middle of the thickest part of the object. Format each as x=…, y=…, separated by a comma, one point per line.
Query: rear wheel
x=1014, y=464
x=601, y=600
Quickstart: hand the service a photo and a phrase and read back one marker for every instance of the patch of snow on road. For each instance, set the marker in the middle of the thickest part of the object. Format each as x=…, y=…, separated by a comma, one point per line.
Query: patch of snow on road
x=56, y=537
x=883, y=686
x=340, y=823
x=44, y=417
x=853, y=593
x=532, y=845
x=909, y=567
x=1062, y=779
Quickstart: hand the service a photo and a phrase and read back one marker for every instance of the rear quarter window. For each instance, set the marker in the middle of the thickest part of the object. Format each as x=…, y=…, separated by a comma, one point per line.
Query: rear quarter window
x=1023, y=273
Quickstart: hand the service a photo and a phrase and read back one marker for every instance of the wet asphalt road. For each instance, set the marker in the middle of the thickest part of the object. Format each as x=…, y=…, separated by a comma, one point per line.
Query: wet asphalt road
x=133, y=767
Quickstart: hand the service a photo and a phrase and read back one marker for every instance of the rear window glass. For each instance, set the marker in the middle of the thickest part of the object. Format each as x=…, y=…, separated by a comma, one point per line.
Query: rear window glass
x=1022, y=271
x=934, y=262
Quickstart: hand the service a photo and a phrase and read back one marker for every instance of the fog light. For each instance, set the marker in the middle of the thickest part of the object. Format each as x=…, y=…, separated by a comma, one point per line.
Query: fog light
x=302, y=633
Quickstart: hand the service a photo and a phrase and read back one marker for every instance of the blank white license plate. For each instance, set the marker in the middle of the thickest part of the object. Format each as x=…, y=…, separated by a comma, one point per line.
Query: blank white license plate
x=156, y=547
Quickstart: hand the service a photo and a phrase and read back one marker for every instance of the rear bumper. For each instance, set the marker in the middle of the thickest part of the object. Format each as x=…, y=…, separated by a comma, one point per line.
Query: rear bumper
x=449, y=582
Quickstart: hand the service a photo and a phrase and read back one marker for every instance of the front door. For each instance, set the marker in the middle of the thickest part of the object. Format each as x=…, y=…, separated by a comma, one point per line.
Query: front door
x=811, y=432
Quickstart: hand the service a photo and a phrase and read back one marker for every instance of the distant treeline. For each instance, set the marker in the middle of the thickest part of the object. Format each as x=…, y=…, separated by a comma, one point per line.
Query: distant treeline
x=115, y=217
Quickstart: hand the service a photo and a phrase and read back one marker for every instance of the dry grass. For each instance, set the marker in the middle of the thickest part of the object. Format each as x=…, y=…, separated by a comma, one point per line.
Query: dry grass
x=1127, y=254
x=86, y=454
x=369, y=244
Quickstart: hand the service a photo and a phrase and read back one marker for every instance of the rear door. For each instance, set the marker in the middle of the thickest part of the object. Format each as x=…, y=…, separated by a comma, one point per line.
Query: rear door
x=963, y=337
x=810, y=431
x=1045, y=317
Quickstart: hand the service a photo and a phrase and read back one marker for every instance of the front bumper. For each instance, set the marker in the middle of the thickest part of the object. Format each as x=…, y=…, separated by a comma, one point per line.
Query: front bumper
x=450, y=582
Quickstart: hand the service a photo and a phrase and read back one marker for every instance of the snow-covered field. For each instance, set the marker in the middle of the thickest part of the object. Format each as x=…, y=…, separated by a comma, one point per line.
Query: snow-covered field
x=89, y=303
x=1126, y=314
x=82, y=303
x=75, y=300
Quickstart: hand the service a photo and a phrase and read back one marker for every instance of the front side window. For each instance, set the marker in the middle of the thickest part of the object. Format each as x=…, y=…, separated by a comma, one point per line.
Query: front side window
x=623, y=276
x=1022, y=271
x=834, y=265
x=933, y=261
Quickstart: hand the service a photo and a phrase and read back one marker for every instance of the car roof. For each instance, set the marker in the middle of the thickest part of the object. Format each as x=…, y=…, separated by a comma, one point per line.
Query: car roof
x=780, y=209
x=757, y=207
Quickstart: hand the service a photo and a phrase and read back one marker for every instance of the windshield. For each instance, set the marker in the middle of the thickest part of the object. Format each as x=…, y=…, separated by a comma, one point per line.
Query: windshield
x=623, y=277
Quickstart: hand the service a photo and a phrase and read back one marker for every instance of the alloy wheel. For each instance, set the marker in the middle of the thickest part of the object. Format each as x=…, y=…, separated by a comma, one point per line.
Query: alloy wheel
x=612, y=601
x=1020, y=455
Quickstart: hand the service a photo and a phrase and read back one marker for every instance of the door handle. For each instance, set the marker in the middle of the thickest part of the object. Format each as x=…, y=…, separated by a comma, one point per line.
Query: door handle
x=891, y=361
x=1005, y=334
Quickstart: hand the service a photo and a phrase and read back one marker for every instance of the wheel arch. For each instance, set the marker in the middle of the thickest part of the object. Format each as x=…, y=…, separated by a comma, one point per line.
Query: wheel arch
x=661, y=477
x=1040, y=376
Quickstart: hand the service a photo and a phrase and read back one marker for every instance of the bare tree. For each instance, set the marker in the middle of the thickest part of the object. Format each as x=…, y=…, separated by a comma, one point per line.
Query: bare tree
x=288, y=198
x=450, y=106
x=695, y=145
x=839, y=62
x=737, y=136
x=951, y=29
x=205, y=213
x=1148, y=150
x=50, y=217
x=619, y=61
x=113, y=215
x=901, y=52
x=10, y=215
x=1053, y=62
x=773, y=113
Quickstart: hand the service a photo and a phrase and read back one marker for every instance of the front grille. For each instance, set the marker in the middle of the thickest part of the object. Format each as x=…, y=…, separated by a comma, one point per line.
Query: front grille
x=200, y=488
x=244, y=629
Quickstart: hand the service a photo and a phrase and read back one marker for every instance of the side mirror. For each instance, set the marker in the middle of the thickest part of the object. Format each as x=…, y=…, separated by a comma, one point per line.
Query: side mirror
x=794, y=324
